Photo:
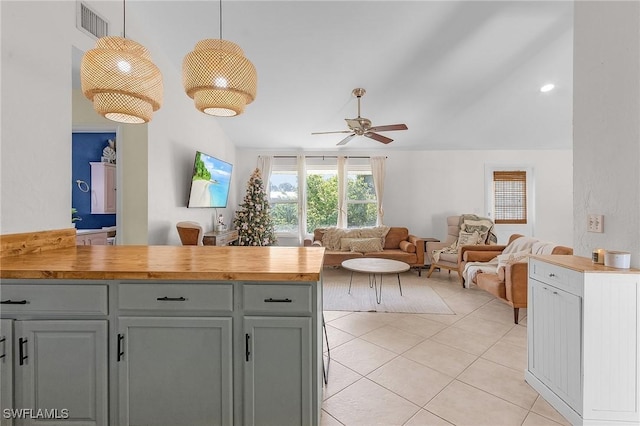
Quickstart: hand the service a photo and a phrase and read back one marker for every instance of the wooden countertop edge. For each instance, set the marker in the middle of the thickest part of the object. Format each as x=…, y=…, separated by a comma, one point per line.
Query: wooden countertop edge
x=161, y=276
x=582, y=264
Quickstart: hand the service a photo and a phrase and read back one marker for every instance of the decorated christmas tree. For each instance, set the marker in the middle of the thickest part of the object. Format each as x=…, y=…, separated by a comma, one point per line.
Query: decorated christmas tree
x=252, y=220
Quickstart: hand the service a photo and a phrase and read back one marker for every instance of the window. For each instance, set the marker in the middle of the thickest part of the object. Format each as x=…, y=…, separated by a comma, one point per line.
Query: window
x=362, y=207
x=510, y=197
x=283, y=200
x=320, y=206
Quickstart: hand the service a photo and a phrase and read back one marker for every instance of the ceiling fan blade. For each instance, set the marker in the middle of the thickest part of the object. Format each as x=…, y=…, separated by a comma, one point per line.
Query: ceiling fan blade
x=326, y=133
x=388, y=128
x=378, y=137
x=345, y=140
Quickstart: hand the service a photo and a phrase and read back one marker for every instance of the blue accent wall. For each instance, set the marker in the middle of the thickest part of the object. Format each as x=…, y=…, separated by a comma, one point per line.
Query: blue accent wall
x=87, y=147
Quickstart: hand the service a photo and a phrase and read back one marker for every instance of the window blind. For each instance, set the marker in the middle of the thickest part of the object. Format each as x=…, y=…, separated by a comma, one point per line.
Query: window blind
x=510, y=197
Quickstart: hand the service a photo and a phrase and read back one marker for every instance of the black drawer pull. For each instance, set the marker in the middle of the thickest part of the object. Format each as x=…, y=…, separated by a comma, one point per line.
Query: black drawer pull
x=272, y=300
x=22, y=349
x=4, y=350
x=120, y=346
x=13, y=302
x=247, y=352
x=171, y=299
x=551, y=275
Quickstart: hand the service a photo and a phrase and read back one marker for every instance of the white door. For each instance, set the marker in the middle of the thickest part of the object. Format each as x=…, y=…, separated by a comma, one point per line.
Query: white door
x=175, y=371
x=62, y=366
x=6, y=369
x=278, y=373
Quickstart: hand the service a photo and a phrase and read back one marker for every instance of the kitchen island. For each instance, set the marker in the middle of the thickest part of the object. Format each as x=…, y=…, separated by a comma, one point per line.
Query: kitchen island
x=163, y=335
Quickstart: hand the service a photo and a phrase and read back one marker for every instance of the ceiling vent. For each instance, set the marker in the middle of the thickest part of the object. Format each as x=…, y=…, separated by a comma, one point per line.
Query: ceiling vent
x=90, y=22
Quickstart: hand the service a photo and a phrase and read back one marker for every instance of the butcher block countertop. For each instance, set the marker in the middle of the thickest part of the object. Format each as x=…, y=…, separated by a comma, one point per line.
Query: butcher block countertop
x=209, y=263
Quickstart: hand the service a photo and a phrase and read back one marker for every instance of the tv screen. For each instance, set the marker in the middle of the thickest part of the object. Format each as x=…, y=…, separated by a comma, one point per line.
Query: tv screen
x=210, y=182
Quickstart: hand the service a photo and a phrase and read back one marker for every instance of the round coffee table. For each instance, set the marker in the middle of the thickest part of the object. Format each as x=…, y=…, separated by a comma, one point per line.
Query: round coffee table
x=375, y=266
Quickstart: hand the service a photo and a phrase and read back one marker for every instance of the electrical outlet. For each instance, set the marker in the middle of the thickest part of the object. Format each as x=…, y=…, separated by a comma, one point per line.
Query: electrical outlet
x=595, y=223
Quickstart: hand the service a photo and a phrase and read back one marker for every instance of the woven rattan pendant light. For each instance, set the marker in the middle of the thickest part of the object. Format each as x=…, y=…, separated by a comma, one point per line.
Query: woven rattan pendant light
x=218, y=77
x=120, y=79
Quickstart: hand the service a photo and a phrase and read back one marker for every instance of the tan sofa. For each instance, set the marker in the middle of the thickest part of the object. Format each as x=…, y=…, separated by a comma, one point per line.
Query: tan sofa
x=508, y=283
x=398, y=245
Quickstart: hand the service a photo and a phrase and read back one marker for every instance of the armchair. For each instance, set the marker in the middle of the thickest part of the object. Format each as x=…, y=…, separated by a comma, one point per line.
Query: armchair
x=190, y=233
x=506, y=278
x=447, y=255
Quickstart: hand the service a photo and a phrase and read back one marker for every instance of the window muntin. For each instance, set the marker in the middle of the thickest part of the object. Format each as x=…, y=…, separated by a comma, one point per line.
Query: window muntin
x=362, y=207
x=283, y=199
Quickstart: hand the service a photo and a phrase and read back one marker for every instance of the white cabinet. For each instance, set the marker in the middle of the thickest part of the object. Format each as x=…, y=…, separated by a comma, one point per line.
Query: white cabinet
x=91, y=237
x=583, y=339
x=103, y=188
x=175, y=371
x=277, y=373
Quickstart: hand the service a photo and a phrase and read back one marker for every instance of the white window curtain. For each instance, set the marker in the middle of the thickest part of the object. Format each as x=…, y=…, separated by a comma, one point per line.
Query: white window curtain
x=302, y=199
x=377, y=170
x=265, y=164
x=342, y=192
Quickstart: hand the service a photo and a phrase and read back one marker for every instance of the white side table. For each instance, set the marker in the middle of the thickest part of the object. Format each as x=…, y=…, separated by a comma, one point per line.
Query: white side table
x=375, y=266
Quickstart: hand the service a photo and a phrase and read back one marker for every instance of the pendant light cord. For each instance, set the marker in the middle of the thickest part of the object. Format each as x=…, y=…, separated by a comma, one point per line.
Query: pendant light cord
x=220, y=19
x=124, y=18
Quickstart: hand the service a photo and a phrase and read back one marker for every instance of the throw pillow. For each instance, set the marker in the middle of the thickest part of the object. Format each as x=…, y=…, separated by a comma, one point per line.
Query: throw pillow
x=482, y=230
x=366, y=245
x=375, y=232
x=345, y=243
x=468, y=239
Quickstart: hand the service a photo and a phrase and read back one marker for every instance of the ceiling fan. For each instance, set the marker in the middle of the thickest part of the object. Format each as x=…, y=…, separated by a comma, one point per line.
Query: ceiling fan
x=361, y=126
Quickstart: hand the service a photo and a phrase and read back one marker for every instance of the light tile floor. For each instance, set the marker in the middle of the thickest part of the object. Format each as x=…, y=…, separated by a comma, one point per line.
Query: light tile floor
x=427, y=369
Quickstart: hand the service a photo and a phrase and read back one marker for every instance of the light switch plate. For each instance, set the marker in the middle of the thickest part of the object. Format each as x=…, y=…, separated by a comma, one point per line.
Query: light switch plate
x=595, y=223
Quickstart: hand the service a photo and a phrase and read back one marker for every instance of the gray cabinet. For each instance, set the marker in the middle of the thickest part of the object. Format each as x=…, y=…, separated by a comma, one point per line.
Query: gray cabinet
x=175, y=371
x=6, y=369
x=60, y=371
x=278, y=371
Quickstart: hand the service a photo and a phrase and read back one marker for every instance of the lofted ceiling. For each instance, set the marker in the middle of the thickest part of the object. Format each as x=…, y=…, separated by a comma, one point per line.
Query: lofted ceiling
x=461, y=74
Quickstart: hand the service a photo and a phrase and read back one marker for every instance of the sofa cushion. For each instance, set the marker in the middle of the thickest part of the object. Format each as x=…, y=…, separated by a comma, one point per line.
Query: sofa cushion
x=468, y=238
x=366, y=245
x=448, y=257
x=394, y=254
x=492, y=284
x=394, y=236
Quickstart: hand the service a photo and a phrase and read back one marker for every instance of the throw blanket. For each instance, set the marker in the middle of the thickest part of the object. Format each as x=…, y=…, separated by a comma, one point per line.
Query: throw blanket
x=487, y=224
x=517, y=251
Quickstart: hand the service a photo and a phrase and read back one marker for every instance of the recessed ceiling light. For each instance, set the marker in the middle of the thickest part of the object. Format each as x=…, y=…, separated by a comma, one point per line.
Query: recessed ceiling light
x=547, y=88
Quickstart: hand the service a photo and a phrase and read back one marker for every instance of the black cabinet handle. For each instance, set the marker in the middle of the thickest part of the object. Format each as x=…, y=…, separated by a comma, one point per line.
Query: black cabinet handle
x=272, y=300
x=120, y=347
x=13, y=302
x=4, y=348
x=247, y=352
x=171, y=299
x=22, y=350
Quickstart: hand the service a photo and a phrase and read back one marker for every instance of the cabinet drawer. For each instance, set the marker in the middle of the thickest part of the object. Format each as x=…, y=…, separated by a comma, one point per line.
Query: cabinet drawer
x=176, y=297
x=54, y=299
x=556, y=276
x=270, y=298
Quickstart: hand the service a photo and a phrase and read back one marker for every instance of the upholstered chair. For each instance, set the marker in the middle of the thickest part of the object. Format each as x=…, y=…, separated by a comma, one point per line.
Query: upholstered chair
x=190, y=233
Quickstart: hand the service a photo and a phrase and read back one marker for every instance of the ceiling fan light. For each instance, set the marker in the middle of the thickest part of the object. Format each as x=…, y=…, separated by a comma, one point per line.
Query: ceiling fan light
x=218, y=77
x=120, y=79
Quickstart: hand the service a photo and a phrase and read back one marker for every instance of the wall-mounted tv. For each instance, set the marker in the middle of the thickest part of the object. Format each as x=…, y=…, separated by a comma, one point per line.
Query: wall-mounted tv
x=210, y=182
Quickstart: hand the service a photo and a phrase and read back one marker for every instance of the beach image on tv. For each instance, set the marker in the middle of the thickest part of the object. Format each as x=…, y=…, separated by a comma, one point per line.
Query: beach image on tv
x=210, y=182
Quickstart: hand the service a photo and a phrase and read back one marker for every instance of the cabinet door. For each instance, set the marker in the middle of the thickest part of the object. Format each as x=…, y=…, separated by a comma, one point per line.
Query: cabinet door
x=175, y=371
x=6, y=369
x=555, y=356
x=61, y=366
x=110, y=190
x=278, y=373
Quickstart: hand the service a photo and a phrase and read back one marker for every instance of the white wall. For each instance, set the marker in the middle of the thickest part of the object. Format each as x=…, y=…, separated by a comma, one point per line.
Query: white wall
x=607, y=125
x=176, y=132
x=35, y=155
x=422, y=188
